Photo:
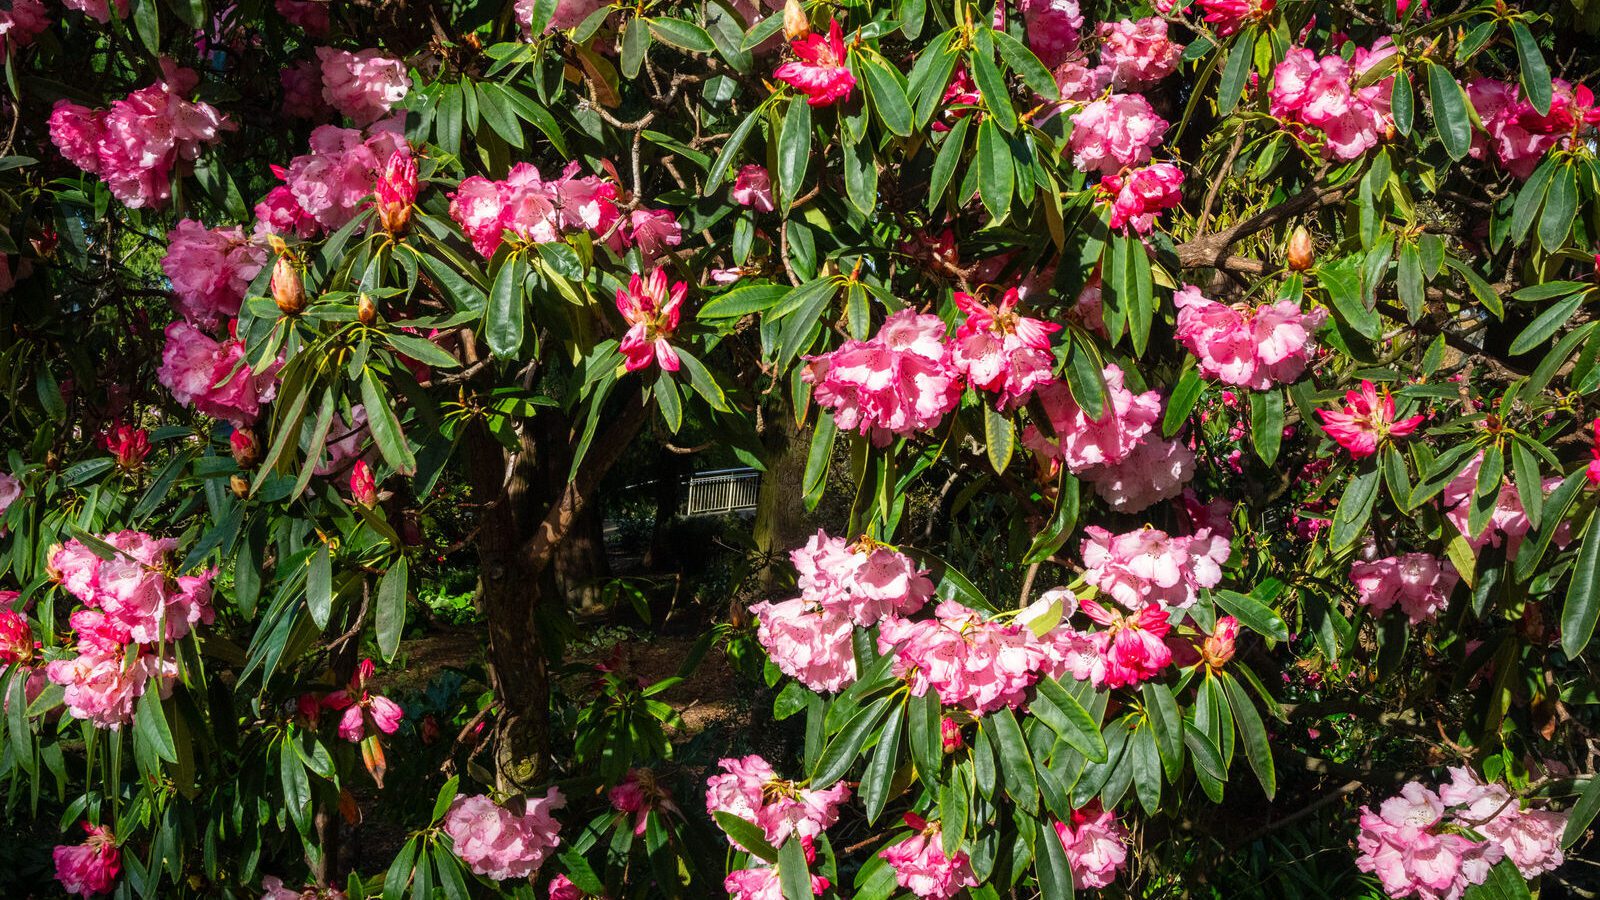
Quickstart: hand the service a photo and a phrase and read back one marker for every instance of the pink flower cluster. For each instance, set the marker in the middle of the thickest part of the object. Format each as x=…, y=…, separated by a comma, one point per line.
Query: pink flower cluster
x=1418, y=844
x=1366, y=420
x=1250, y=346
x=10, y=491
x=1127, y=649
x=20, y=23
x=334, y=182
x=363, y=85
x=652, y=312
x=1150, y=566
x=762, y=883
x=213, y=376
x=361, y=707
x=1228, y=16
x=540, y=211
x=1137, y=52
x=921, y=866
x=638, y=795
x=1129, y=466
x=91, y=867
x=499, y=844
x=16, y=635
x=1508, y=524
x=210, y=270
x=1115, y=132
x=821, y=73
x=1053, y=27
x=302, y=90
x=1418, y=582
x=1517, y=134
x=273, y=887
x=807, y=643
x=1096, y=846
x=864, y=582
x=98, y=10
x=975, y=663
x=1326, y=96
x=900, y=382
x=136, y=142
x=312, y=15
x=999, y=350
x=1137, y=196
x=750, y=789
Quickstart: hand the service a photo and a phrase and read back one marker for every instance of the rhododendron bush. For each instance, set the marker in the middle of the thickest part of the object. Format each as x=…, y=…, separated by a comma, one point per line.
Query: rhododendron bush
x=1175, y=424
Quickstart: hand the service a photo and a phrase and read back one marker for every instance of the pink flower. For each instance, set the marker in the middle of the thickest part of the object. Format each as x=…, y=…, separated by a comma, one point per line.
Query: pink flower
x=363, y=488
x=1325, y=95
x=652, y=312
x=1138, y=52
x=1096, y=846
x=20, y=23
x=1517, y=134
x=568, y=14
x=103, y=682
x=1001, y=351
x=302, y=89
x=210, y=270
x=133, y=588
x=16, y=635
x=808, y=644
x=128, y=445
x=1149, y=566
x=1133, y=648
x=1115, y=132
x=91, y=867
x=345, y=440
x=363, y=85
x=214, y=378
x=753, y=188
x=562, y=888
x=1404, y=847
x=820, y=73
x=396, y=192
x=1078, y=82
x=972, y=662
x=1419, y=583
x=358, y=705
x=1592, y=473
x=1053, y=28
x=336, y=180
x=949, y=735
x=98, y=10
x=1365, y=421
x=1136, y=197
x=750, y=789
x=499, y=844
x=900, y=382
x=864, y=582
x=312, y=15
x=1155, y=470
x=921, y=866
x=638, y=795
x=274, y=889
x=1081, y=442
x=761, y=883
x=654, y=232
x=1507, y=524
x=1227, y=16
x=279, y=212
x=135, y=144
x=1530, y=838
x=1254, y=347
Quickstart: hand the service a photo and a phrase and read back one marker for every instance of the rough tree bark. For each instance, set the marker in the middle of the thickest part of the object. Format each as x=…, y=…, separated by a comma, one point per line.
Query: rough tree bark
x=781, y=518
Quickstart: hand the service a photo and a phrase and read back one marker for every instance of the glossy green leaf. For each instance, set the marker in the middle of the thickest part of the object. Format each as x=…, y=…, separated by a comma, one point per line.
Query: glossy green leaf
x=1450, y=116
x=1535, y=72
x=794, y=151
x=1582, y=606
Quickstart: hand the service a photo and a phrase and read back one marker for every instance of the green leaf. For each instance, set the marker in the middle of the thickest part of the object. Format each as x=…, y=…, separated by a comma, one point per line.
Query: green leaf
x=798, y=324
x=1052, y=867
x=398, y=877
x=1067, y=717
x=1409, y=281
x=505, y=325
x=992, y=86
x=1355, y=508
x=747, y=835
x=794, y=877
x=667, y=399
x=888, y=95
x=1560, y=206
x=1016, y=763
x=1237, y=71
x=319, y=587
x=794, y=151
x=818, y=458
x=1546, y=325
x=999, y=437
x=1062, y=522
x=924, y=719
x=879, y=777
x=1402, y=102
x=730, y=152
x=1184, y=396
x=1166, y=722
x=1582, y=813
x=391, y=612
x=1266, y=423
x=1027, y=66
x=744, y=300
x=842, y=751
x=683, y=34
x=1582, y=606
x=1256, y=747
x=944, y=165
x=1252, y=614
x=1450, y=116
x=635, y=42
x=1535, y=72
x=996, y=176
x=385, y=426
x=150, y=725
x=147, y=22
x=1342, y=281
x=1086, y=379
x=1479, y=288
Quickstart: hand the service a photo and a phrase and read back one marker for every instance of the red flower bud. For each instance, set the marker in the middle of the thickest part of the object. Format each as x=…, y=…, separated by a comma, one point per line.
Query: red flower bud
x=397, y=190
x=246, y=449
x=362, y=485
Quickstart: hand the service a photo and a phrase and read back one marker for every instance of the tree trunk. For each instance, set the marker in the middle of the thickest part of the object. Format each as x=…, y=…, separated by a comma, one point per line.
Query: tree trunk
x=782, y=522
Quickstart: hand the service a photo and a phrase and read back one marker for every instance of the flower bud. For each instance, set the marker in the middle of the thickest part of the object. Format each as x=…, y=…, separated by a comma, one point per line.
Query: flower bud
x=363, y=488
x=240, y=485
x=949, y=735
x=1301, y=255
x=796, y=24
x=1219, y=645
x=366, y=310
x=287, y=289
x=397, y=190
x=246, y=449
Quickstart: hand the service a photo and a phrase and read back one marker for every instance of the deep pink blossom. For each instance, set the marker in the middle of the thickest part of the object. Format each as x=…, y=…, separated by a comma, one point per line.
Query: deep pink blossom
x=638, y=795
x=128, y=446
x=1228, y=16
x=89, y=868
x=568, y=14
x=1508, y=522
x=499, y=844
x=900, y=382
x=363, y=85
x=210, y=270
x=753, y=188
x=535, y=210
x=302, y=90
x=921, y=866
x=1366, y=420
x=364, y=712
x=655, y=232
x=1419, y=583
x=311, y=15
x=280, y=212
x=1517, y=135
x=1082, y=442
x=20, y=22
x=820, y=73
x=336, y=180
x=1053, y=28
x=761, y=883
x=750, y=789
x=1138, y=52
x=1096, y=846
x=16, y=635
x=1328, y=96
x=1000, y=350
x=652, y=311
x=1254, y=347
x=363, y=487
x=396, y=192
x=98, y=10
x=960, y=98
x=213, y=377
x=1137, y=196
x=1115, y=132
x=562, y=888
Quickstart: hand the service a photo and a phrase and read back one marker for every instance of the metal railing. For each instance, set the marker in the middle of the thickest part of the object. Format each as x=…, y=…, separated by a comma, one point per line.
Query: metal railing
x=721, y=491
